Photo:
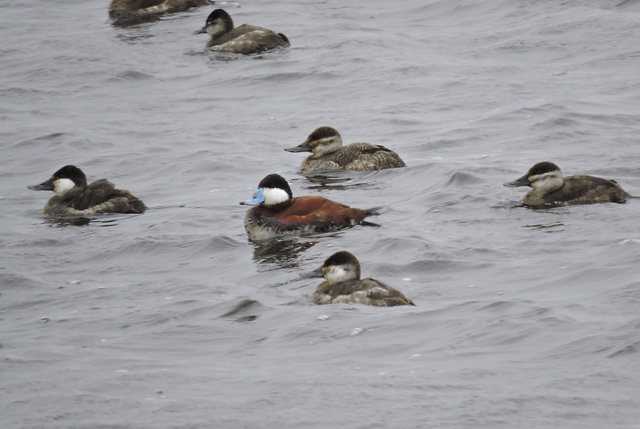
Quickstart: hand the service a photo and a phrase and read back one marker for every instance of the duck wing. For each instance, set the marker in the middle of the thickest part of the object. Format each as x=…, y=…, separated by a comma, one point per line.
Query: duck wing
x=365, y=156
x=367, y=291
x=101, y=196
x=582, y=189
x=248, y=39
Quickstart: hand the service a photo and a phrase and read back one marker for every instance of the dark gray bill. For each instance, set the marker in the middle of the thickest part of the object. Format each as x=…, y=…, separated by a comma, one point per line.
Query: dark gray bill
x=44, y=186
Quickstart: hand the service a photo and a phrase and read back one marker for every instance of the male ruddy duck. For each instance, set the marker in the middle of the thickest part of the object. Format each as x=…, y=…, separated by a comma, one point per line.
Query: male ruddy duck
x=343, y=284
x=245, y=39
x=550, y=189
x=276, y=212
x=129, y=12
x=325, y=144
x=75, y=197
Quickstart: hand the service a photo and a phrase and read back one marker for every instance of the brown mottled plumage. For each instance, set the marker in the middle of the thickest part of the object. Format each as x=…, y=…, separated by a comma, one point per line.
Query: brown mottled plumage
x=343, y=284
x=130, y=12
x=75, y=197
x=245, y=39
x=325, y=144
x=551, y=189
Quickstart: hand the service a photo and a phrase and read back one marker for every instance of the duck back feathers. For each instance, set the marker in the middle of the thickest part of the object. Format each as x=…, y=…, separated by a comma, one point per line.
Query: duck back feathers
x=356, y=156
x=131, y=12
x=245, y=39
x=100, y=196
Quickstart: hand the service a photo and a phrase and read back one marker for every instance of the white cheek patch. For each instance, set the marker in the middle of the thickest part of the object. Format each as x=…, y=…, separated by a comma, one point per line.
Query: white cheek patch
x=542, y=176
x=214, y=30
x=336, y=274
x=273, y=196
x=60, y=186
x=547, y=180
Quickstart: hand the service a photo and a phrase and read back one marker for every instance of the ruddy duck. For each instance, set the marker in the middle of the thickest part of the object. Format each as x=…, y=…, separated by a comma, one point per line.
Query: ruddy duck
x=246, y=39
x=277, y=213
x=343, y=284
x=325, y=144
x=75, y=197
x=550, y=189
x=129, y=12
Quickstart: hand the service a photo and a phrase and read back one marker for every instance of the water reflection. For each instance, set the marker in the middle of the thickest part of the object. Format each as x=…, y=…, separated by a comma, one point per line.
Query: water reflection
x=327, y=178
x=246, y=310
x=281, y=252
x=61, y=222
x=557, y=225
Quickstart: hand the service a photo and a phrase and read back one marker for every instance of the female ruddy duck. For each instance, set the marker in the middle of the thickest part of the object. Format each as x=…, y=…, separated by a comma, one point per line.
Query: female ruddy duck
x=550, y=189
x=325, y=144
x=246, y=39
x=129, y=12
x=343, y=284
x=75, y=197
x=278, y=213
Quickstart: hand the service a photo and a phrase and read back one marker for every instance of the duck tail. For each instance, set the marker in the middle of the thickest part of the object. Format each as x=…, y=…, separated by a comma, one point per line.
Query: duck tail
x=375, y=211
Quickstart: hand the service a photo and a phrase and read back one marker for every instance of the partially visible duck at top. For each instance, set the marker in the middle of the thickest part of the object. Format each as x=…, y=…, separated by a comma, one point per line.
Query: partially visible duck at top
x=343, y=284
x=245, y=39
x=325, y=144
x=551, y=189
x=130, y=12
x=75, y=197
x=276, y=212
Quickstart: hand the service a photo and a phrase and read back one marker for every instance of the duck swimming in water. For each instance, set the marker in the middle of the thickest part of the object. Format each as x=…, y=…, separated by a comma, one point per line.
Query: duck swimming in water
x=325, y=144
x=74, y=197
x=550, y=189
x=130, y=12
x=245, y=39
x=276, y=212
x=343, y=284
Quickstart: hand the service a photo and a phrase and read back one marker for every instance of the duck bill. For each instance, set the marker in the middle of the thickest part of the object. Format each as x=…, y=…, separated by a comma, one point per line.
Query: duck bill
x=258, y=197
x=523, y=181
x=44, y=186
x=313, y=274
x=302, y=147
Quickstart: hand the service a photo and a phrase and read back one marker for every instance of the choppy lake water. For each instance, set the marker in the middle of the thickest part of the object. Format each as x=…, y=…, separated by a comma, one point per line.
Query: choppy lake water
x=173, y=319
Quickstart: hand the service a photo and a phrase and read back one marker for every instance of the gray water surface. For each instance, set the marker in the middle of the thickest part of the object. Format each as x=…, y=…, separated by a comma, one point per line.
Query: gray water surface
x=173, y=319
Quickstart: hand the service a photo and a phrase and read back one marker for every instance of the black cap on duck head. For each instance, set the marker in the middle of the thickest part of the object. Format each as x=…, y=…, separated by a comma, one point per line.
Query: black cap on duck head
x=219, y=14
x=317, y=134
x=542, y=168
x=341, y=258
x=275, y=181
x=338, y=259
x=537, y=170
x=70, y=172
x=323, y=132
